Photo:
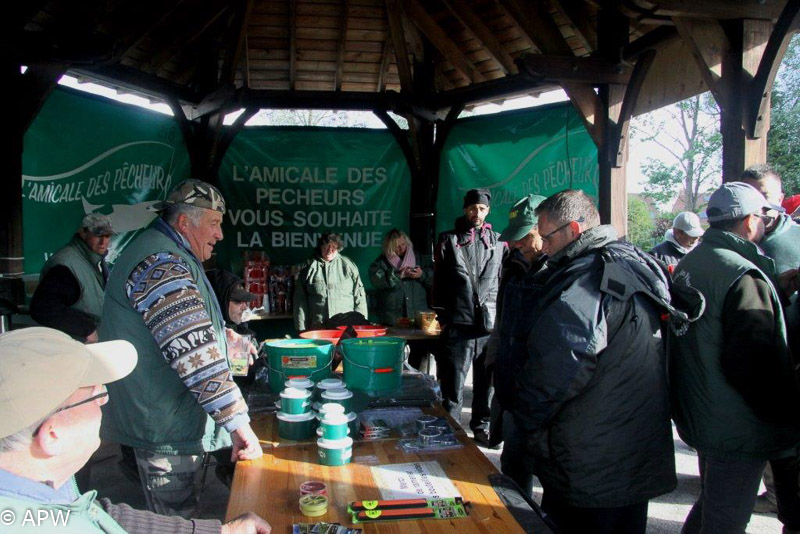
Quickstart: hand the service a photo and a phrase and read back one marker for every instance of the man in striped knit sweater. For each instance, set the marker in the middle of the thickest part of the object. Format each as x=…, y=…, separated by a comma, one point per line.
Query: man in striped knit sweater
x=180, y=402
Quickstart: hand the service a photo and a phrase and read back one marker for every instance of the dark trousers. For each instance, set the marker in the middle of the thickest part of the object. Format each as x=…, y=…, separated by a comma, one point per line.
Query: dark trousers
x=786, y=477
x=630, y=519
x=515, y=462
x=728, y=490
x=461, y=347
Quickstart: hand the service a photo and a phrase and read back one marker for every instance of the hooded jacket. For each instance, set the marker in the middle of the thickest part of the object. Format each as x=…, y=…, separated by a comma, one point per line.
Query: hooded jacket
x=669, y=251
x=223, y=283
x=591, y=387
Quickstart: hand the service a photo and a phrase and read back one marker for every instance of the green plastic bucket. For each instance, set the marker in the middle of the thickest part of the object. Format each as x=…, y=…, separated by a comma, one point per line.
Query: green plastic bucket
x=289, y=358
x=373, y=365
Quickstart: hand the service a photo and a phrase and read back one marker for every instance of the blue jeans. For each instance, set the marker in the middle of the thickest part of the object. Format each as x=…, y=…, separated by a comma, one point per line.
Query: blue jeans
x=515, y=462
x=728, y=491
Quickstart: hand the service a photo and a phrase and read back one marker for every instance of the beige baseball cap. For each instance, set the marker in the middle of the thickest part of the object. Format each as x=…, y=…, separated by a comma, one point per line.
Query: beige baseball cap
x=41, y=367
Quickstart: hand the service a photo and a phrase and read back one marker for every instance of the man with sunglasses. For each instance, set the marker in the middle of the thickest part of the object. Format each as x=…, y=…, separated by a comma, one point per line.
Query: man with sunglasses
x=51, y=391
x=591, y=393
x=181, y=401
x=733, y=382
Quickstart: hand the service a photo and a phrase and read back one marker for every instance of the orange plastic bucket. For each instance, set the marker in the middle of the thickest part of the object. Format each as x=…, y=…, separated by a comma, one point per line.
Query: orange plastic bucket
x=328, y=335
x=367, y=330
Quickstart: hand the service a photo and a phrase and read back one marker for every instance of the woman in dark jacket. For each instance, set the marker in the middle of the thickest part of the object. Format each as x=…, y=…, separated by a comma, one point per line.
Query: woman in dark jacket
x=400, y=282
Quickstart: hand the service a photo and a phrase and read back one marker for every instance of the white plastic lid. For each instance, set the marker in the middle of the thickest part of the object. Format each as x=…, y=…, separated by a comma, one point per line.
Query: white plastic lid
x=335, y=419
x=331, y=407
x=337, y=394
x=330, y=383
x=351, y=417
x=335, y=443
x=295, y=418
x=302, y=383
x=295, y=393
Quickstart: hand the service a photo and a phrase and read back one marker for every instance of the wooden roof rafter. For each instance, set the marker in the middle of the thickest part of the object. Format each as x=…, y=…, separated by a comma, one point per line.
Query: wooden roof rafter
x=395, y=18
x=464, y=13
x=341, y=47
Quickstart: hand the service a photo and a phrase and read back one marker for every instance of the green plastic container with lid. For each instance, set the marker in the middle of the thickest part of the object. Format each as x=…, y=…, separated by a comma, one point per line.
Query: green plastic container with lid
x=373, y=365
x=297, y=358
x=334, y=452
x=296, y=427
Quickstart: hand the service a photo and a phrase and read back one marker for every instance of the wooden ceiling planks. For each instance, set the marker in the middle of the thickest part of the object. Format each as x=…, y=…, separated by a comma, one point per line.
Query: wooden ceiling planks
x=347, y=45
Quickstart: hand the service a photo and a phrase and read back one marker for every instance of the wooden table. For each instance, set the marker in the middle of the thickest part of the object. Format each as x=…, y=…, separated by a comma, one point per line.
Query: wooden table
x=269, y=487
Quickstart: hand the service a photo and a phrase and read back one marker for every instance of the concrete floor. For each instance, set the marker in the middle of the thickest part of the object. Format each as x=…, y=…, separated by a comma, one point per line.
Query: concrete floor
x=666, y=514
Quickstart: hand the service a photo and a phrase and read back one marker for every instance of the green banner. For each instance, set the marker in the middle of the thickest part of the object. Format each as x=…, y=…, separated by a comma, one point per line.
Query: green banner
x=540, y=151
x=287, y=185
x=87, y=154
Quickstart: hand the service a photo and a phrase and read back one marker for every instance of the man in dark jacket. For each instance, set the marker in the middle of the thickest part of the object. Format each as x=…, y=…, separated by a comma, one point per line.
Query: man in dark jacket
x=734, y=387
x=781, y=242
x=592, y=391
x=465, y=280
x=680, y=239
x=233, y=299
x=520, y=284
x=69, y=296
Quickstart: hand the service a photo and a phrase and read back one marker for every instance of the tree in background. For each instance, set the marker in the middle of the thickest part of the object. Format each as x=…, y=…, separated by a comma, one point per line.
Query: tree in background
x=688, y=134
x=313, y=117
x=640, y=223
x=783, y=141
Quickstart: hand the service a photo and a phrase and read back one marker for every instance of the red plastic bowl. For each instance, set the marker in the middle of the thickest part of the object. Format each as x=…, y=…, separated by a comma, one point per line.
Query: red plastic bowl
x=327, y=335
x=367, y=330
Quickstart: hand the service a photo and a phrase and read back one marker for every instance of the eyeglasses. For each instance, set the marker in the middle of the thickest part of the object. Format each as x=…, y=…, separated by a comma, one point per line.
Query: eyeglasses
x=547, y=237
x=93, y=398
x=84, y=401
x=766, y=218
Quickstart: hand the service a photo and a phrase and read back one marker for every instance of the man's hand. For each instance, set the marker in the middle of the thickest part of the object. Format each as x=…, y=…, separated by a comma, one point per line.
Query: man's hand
x=234, y=340
x=91, y=338
x=245, y=444
x=248, y=523
x=789, y=281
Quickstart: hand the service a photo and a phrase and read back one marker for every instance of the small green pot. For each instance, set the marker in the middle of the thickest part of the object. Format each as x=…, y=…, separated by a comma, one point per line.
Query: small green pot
x=334, y=453
x=339, y=396
x=295, y=401
x=334, y=426
x=296, y=427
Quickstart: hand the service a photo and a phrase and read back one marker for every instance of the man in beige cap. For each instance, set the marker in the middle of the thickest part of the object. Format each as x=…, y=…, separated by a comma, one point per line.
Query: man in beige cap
x=684, y=235
x=51, y=390
x=69, y=296
x=181, y=401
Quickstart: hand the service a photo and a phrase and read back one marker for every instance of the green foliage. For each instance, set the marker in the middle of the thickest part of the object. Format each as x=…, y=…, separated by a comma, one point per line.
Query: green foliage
x=687, y=134
x=783, y=142
x=640, y=223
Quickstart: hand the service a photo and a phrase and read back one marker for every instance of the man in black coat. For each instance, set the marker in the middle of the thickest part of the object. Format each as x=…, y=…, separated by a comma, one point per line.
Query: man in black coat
x=465, y=280
x=591, y=391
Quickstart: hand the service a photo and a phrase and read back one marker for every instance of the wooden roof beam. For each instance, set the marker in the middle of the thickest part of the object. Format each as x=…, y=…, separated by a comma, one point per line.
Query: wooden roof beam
x=709, y=45
x=591, y=70
x=759, y=88
x=464, y=13
x=382, y=73
x=536, y=23
x=394, y=16
x=183, y=41
x=292, y=43
x=140, y=24
x=506, y=87
x=577, y=13
x=438, y=38
x=233, y=54
x=340, y=48
x=712, y=9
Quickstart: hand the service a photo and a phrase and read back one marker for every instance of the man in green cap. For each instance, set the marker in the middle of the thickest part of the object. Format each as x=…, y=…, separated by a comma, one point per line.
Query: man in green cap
x=520, y=282
x=181, y=401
